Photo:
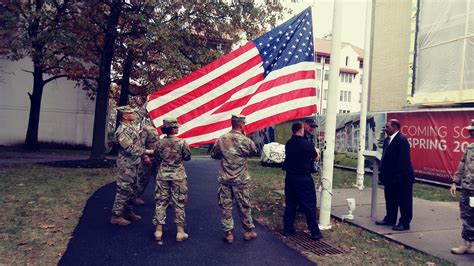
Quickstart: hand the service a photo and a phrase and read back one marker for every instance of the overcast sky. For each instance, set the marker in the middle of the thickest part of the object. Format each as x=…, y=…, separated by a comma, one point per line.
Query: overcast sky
x=353, y=18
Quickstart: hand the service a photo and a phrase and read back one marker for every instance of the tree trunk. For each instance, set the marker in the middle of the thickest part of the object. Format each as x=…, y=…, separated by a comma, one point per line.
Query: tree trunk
x=103, y=87
x=124, y=92
x=31, y=140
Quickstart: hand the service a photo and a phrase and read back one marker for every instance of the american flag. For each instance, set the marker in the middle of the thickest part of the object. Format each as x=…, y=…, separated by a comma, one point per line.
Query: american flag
x=269, y=80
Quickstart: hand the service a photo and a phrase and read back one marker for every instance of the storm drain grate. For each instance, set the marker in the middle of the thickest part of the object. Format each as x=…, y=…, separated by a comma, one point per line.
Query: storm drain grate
x=319, y=248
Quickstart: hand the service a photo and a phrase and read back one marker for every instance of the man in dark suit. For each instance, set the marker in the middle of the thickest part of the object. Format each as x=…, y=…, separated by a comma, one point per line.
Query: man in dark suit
x=396, y=174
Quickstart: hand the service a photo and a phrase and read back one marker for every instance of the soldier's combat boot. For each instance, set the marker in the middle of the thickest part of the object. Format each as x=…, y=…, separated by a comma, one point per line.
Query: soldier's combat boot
x=250, y=234
x=134, y=217
x=462, y=248
x=180, y=235
x=229, y=237
x=159, y=232
x=138, y=201
x=119, y=220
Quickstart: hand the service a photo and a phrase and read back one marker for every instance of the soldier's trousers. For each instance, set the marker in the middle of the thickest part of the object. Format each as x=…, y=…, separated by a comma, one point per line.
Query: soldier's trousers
x=175, y=191
x=226, y=195
x=467, y=215
x=143, y=179
x=126, y=186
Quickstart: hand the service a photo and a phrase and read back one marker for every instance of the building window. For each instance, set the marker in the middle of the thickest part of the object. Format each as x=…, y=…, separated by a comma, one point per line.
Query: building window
x=361, y=63
x=347, y=60
x=325, y=96
x=361, y=75
x=327, y=59
x=318, y=74
x=360, y=97
x=324, y=111
x=318, y=95
x=345, y=96
x=349, y=96
x=326, y=74
x=319, y=58
x=350, y=78
x=341, y=96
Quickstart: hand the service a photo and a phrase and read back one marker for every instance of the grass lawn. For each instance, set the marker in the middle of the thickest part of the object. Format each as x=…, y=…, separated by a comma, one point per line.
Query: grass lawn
x=40, y=209
x=364, y=247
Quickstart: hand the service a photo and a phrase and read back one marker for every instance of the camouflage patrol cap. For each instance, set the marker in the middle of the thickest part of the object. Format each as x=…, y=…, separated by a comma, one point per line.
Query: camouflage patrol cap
x=170, y=123
x=471, y=127
x=238, y=118
x=126, y=109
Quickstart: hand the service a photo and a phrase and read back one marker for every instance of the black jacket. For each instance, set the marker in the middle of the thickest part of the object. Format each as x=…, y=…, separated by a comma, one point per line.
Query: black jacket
x=396, y=165
x=299, y=156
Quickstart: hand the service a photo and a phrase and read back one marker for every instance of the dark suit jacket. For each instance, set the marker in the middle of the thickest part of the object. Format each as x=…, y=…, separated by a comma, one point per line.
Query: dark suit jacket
x=396, y=165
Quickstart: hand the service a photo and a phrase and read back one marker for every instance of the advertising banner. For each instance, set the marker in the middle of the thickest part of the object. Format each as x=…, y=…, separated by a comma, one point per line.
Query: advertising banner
x=437, y=140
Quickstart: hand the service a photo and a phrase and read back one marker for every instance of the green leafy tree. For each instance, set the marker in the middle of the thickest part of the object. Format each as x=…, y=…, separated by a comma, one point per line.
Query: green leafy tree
x=35, y=29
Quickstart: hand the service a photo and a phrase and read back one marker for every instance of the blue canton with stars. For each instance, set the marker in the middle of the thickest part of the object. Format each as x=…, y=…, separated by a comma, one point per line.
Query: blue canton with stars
x=287, y=44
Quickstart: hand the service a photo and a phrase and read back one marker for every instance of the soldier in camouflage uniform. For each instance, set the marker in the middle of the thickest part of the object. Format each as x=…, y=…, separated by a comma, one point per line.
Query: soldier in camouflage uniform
x=149, y=138
x=465, y=177
x=171, y=179
x=128, y=165
x=233, y=149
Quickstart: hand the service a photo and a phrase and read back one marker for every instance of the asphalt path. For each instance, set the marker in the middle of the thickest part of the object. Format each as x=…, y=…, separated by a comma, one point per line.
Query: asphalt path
x=97, y=242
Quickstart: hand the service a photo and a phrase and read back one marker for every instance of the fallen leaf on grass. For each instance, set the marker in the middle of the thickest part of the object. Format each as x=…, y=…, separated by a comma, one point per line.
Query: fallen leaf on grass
x=366, y=252
x=21, y=243
x=20, y=185
x=46, y=226
x=353, y=248
x=50, y=243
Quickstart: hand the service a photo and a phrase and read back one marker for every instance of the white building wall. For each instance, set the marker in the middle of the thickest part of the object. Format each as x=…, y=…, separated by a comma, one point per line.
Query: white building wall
x=355, y=87
x=67, y=114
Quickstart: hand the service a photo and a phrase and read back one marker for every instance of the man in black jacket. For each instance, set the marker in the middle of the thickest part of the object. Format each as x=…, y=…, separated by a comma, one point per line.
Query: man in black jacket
x=299, y=185
x=396, y=174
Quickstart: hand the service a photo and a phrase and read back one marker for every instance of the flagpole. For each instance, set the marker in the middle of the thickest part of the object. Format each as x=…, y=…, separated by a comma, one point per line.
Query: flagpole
x=365, y=96
x=330, y=128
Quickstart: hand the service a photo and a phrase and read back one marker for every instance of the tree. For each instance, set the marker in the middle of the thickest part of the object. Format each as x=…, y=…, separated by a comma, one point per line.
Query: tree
x=35, y=29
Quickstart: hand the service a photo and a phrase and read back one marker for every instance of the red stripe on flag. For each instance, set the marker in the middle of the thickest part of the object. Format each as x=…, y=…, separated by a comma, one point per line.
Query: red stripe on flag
x=201, y=130
x=211, y=141
x=209, y=86
x=282, y=117
x=203, y=71
x=218, y=101
x=266, y=86
x=284, y=97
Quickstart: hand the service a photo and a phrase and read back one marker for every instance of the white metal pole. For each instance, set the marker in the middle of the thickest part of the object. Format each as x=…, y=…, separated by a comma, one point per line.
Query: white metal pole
x=330, y=128
x=364, y=96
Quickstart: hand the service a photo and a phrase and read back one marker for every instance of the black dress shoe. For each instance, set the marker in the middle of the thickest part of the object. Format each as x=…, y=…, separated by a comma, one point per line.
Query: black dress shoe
x=317, y=236
x=289, y=233
x=383, y=222
x=401, y=227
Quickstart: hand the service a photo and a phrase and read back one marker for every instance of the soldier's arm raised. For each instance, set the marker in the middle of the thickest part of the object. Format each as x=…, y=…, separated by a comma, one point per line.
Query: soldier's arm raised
x=216, y=152
x=251, y=148
x=186, y=152
x=126, y=142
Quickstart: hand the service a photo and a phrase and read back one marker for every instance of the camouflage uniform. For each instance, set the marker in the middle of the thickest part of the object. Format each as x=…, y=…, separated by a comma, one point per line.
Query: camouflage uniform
x=465, y=177
x=233, y=149
x=171, y=179
x=149, y=138
x=128, y=165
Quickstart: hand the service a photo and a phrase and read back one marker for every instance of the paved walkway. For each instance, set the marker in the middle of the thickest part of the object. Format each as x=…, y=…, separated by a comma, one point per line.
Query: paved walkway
x=435, y=228
x=96, y=242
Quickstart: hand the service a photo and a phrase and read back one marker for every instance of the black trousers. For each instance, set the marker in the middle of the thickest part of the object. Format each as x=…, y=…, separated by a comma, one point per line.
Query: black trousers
x=300, y=190
x=399, y=196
